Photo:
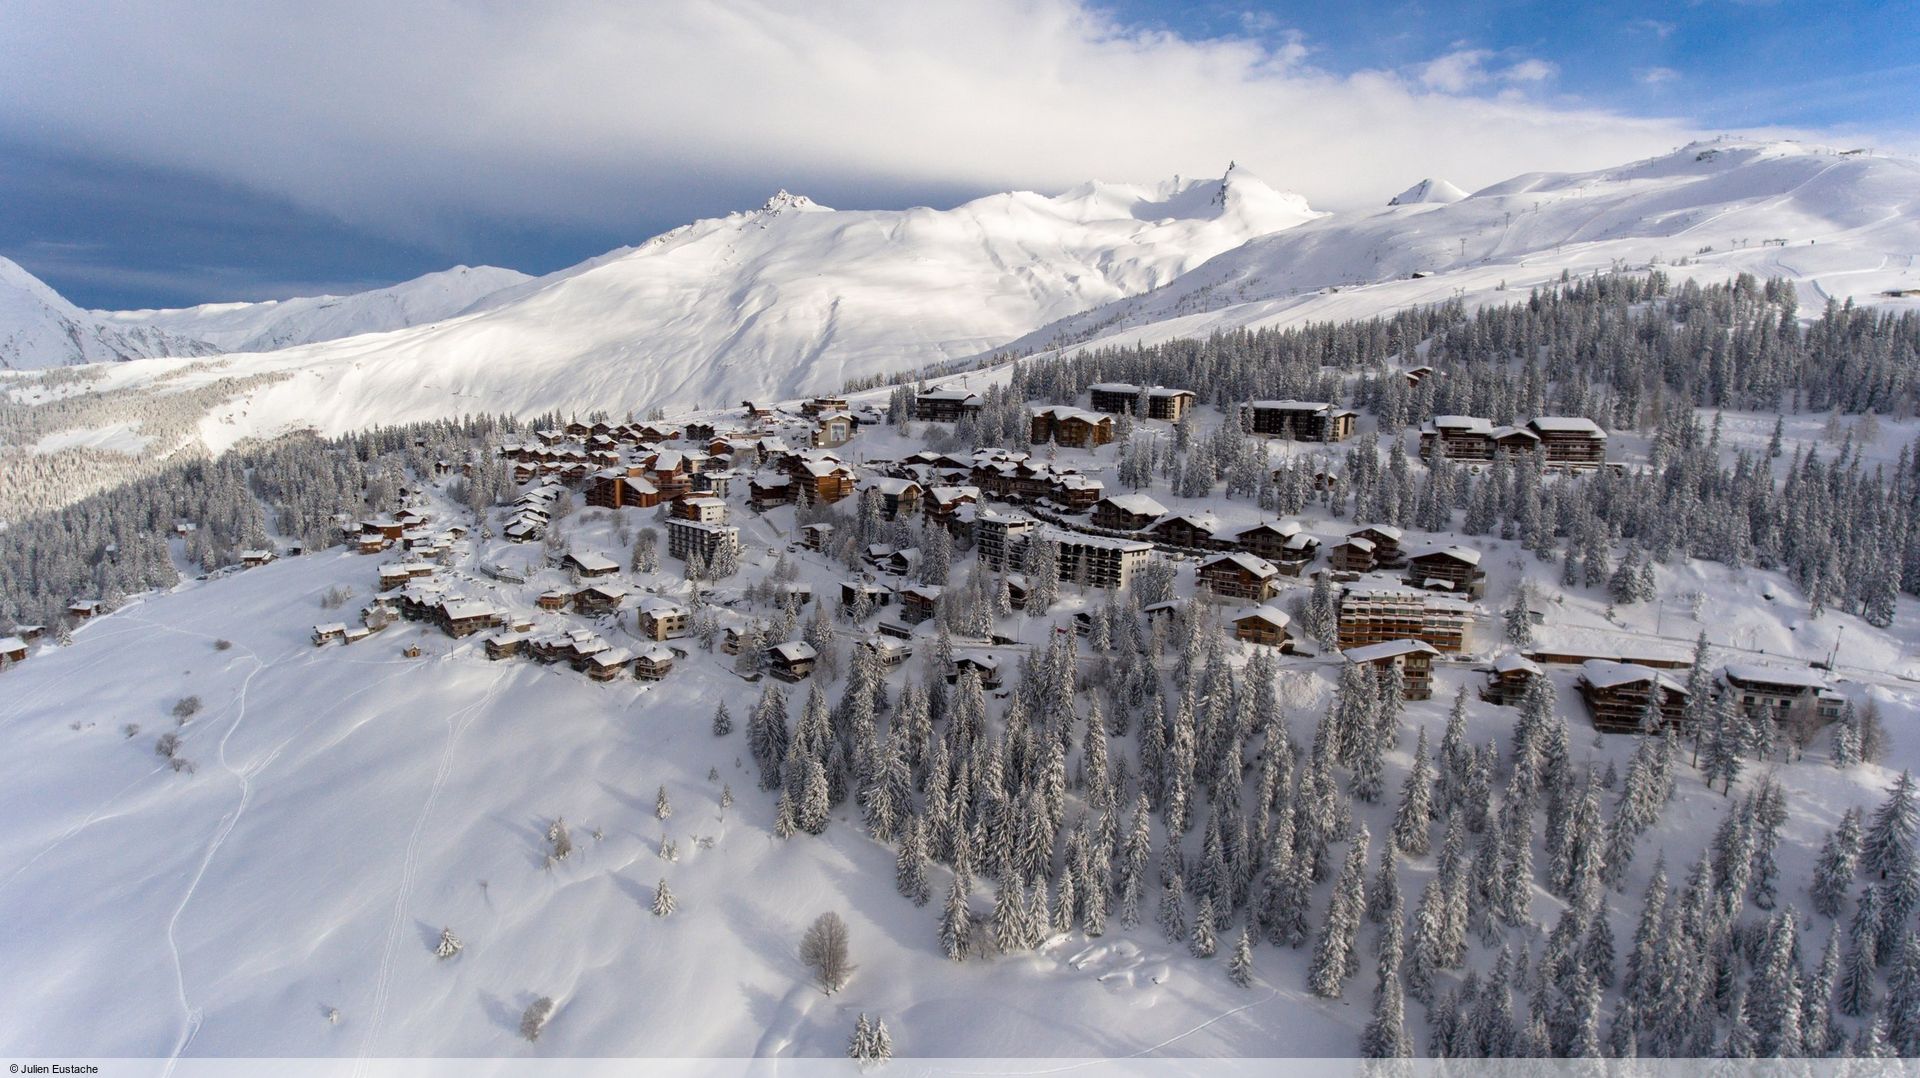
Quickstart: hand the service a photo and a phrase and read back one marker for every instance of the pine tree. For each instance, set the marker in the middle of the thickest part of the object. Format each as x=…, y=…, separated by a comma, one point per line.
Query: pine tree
x=1833, y=871
x=956, y=922
x=448, y=946
x=910, y=867
x=663, y=900
x=1887, y=846
x=1240, y=967
x=1203, y=941
x=1334, y=958
x=1414, y=816
x=1173, y=908
x=722, y=720
x=662, y=808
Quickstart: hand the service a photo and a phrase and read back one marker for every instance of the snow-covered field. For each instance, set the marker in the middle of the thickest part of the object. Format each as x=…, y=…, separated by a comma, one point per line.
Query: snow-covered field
x=347, y=803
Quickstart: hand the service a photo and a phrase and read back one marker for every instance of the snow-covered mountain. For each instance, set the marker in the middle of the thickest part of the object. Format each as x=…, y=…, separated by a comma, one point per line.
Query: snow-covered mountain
x=789, y=298
x=271, y=324
x=1428, y=190
x=38, y=328
x=1842, y=224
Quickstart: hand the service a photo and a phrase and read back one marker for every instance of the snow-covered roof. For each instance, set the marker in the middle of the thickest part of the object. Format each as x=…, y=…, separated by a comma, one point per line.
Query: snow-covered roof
x=331, y=628
x=1252, y=563
x=1462, y=424
x=1607, y=674
x=1567, y=424
x=1386, y=531
x=593, y=563
x=1286, y=529
x=462, y=609
x=1291, y=406
x=888, y=485
x=1391, y=649
x=1136, y=504
x=1279, y=619
x=610, y=657
x=1754, y=673
x=1513, y=662
x=12, y=643
x=656, y=653
x=1358, y=543
x=1457, y=553
x=794, y=651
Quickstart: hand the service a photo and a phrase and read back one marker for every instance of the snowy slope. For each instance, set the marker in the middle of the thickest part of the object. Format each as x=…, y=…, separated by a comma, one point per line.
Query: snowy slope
x=1850, y=222
x=788, y=298
x=264, y=326
x=40, y=329
x=1428, y=190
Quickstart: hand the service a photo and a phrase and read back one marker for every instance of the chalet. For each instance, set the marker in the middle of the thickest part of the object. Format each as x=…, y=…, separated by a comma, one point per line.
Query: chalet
x=464, y=617
x=1413, y=658
x=1617, y=694
x=918, y=602
x=946, y=405
x=1352, y=555
x=795, y=593
x=654, y=662
x=826, y=481
x=1792, y=698
x=607, y=665
x=1264, y=625
x=333, y=630
x=996, y=536
x=1386, y=544
x=1373, y=614
x=889, y=651
x=1095, y=561
x=662, y=619
x=1509, y=678
x=894, y=629
x=1238, y=575
x=1017, y=590
x=1453, y=569
x=791, y=661
x=359, y=633
x=687, y=537
x=1300, y=421
x=1416, y=375
x=1071, y=427
x=706, y=510
x=255, y=558
x=1076, y=492
x=877, y=595
x=12, y=650
x=1460, y=437
x=819, y=406
x=876, y=554
x=503, y=645
x=29, y=633
x=1284, y=544
x=897, y=496
x=942, y=503
x=817, y=537
x=1127, y=512
x=1570, y=441
x=985, y=665
x=590, y=565
x=1121, y=398
x=831, y=432
x=599, y=599
x=611, y=489
x=1196, y=531
x=901, y=562
x=552, y=600
x=670, y=474
x=82, y=609
x=767, y=489
x=1163, y=611
x=700, y=431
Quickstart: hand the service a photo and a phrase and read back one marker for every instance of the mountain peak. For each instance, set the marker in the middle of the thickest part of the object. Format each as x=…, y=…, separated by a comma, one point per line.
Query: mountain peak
x=1429, y=190
x=784, y=200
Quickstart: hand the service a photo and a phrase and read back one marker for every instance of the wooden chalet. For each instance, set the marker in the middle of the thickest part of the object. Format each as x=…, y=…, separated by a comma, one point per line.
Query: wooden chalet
x=985, y=665
x=826, y=481
x=819, y=406
x=662, y=619
x=1413, y=658
x=1238, y=575
x=878, y=595
x=1195, y=531
x=1454, y=569
x=890, y=651
x=1282, y=543
x=1616, y=694
x=1386, y=544
x=1352, y=556
x=253, y=559
x=1266, y=626
x=946, y=405
x=767, y=489
x=1509, y=678
x=1127, y=512
x=897, y=496
x=1570, y=441
x=1071, y=427
x=1076, y=492
x=82, y=609
x=653, y=662
x=942, y=502
x=553, y=600
x=817, y=537
x=588, y=565
x=919, y=602
x=332, y=630
x=607, y=665
x=12, y=650
x=598, y=599
x=1122, y=398
x=1300, y=421
x=612, y=489
x=504, y=645
x=792, y=660
x=464, y=617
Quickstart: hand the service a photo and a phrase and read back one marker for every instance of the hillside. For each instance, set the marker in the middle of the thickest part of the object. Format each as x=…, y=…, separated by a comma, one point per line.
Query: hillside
x=272, y=324
x=1841, y=225
x=38, y=328
x=786, y=298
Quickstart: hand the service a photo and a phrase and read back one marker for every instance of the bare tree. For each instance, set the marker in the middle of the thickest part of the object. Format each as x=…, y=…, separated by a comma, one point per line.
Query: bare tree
x=824, y=950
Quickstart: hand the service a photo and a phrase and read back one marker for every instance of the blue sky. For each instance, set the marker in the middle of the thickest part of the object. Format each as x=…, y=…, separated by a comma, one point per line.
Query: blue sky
x=174, y=154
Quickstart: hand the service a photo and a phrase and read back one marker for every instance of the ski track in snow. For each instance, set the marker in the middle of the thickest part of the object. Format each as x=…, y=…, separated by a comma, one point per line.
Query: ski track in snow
x=457, y=723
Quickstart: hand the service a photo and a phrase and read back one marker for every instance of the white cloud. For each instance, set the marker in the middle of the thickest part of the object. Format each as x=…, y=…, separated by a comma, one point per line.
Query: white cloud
x=1654, y=76
x=411, y=116
x=1530, y=71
